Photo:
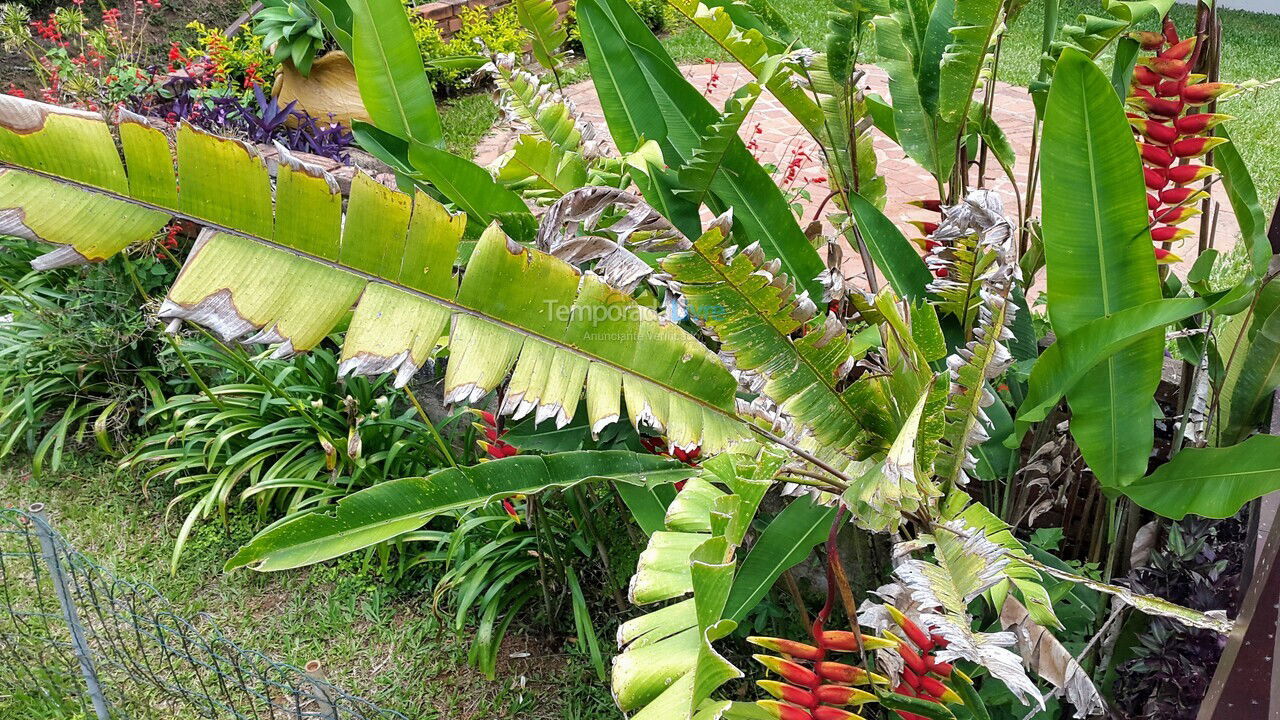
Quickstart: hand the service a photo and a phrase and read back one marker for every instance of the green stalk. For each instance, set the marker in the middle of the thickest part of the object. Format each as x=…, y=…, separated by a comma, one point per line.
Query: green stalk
x=444, y=448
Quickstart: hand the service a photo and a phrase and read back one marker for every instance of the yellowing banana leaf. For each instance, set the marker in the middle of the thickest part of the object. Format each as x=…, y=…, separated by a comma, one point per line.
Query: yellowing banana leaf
x=285, y=267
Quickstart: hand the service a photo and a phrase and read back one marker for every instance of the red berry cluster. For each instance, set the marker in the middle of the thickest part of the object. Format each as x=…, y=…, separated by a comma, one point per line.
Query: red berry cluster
x=1165, y=111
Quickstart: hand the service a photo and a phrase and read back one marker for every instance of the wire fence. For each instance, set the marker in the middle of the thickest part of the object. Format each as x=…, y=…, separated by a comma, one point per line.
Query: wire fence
x=77, y=639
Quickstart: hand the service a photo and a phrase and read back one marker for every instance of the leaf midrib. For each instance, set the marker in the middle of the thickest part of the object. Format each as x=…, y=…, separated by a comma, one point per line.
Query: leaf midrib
x=452, y=305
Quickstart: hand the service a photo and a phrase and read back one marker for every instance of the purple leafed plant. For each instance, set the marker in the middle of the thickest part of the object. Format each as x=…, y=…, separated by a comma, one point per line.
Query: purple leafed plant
x=261, y=120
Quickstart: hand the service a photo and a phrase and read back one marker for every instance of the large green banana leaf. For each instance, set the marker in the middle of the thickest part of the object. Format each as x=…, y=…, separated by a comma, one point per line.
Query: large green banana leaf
x=395, y=507
x=286, y=268
x=644, y=97
x=1211, y=482
x=1099, y=261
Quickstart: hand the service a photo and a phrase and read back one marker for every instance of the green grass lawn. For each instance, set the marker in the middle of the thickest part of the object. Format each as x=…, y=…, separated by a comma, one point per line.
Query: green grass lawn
x=375, y=640
x=1250, y=41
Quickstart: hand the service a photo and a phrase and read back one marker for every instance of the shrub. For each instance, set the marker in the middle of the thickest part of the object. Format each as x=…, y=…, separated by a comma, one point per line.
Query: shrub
x=481, y=33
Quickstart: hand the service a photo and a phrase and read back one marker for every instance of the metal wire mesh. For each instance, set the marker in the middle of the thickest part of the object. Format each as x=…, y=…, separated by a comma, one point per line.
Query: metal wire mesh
x=76, y=638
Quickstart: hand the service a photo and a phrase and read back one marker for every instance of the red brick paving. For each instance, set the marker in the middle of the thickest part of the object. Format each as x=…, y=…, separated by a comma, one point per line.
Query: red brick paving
x=776, y=138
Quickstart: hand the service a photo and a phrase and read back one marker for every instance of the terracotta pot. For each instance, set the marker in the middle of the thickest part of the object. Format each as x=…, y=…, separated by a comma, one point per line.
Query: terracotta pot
x=330, y=89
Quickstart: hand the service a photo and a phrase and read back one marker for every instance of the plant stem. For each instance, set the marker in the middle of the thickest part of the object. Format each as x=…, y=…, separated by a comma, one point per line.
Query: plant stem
x=444, y=448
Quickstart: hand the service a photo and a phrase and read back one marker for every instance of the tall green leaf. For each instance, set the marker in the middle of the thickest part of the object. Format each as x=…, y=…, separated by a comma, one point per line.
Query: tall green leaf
x=1210, y=482
x=393, y=82
x=1099, y=261
x=893, y=254
x=784, y=543
x=1253, y=377
x=974, y=25
x=644, y=95
x=394, y=507
x=1243, y=196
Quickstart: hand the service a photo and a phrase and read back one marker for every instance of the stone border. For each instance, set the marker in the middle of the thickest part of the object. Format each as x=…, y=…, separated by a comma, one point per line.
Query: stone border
x=448, y=13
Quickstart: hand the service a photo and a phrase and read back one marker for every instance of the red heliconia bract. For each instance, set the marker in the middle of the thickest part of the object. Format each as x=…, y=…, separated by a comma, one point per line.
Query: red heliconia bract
x=842, y=695
x=1194, y=147
x=1168, y=233
x=1148, y=40
x=792, y=672
x=1170, y=69
x=1198, y=123
x=1180, y=195
x=1156, y=178
x=1156, y=155
x=1202, y=93
x=1156, y=132
x=824, y=712
x=788, y=647
x=840, y=673
x=783, y=711
x=1180, y=50
x=1175, y=215
x=1183, y=174
x=790, y=693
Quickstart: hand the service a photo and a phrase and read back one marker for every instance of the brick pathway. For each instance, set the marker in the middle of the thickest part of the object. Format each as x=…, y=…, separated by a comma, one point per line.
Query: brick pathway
x=775, y=138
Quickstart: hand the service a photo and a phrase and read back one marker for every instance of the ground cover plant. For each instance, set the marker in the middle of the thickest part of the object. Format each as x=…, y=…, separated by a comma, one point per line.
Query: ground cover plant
x=641, y=328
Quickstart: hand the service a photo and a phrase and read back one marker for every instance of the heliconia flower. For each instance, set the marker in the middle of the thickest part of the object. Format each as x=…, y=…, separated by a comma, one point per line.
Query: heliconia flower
x=1145, y=76
x=938, y=690
x=1164, y=257
x=940, y=641
x=511, y=509
x=846, y=674
x=1180, y=50
x=1162, y=107
x=1156, y=178
x=913, y=632
x=939, y=668
x=930, y=205
x=1181, y=195
x=845, y=641
x=1170, y=31
x=1202, y=93
x=833, y=713
x=928, y=228
x=783, y=711
x=1184, y=174
x=1148, y=40
x=905, y=689
x=791, y=693
x=1170, y=88
x=925, y=243
x=794, y=673
x=913, y=661
x=1168, y=233
x=1158, y=133
x=1194, y=147
x=842, y=695
x=910, y=677
x=1175, y=215
x=1153, y=202
x=788, y=647
x=1200, y=122
x=1169, y=68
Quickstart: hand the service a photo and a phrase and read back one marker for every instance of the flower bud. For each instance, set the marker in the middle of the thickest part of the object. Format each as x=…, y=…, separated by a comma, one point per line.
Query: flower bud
x=1202, y=93
x=1156, y=132
x=841, y=695
x=927, y=228
x=1168, y=233
x=845, y=641
x=913, y=631
x=939, y=691
x=1180, y=50
x=1170, y=69
x=789, y=693
x=1175, y=215
x=1148, y=40
x=1156, y=178
x=1145, y=76
x=1200, y=122
x=930, y=205
x=1194, y=147
x=793, y=673
x=833, y=713
x=846, y=674
x=1164, y=257
x=788, y=647
x=783, y=711
x=1184, y=174
x=1181, y=195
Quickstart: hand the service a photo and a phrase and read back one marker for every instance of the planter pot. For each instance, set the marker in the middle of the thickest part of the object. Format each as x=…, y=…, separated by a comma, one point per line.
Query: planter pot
x=330, y=90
